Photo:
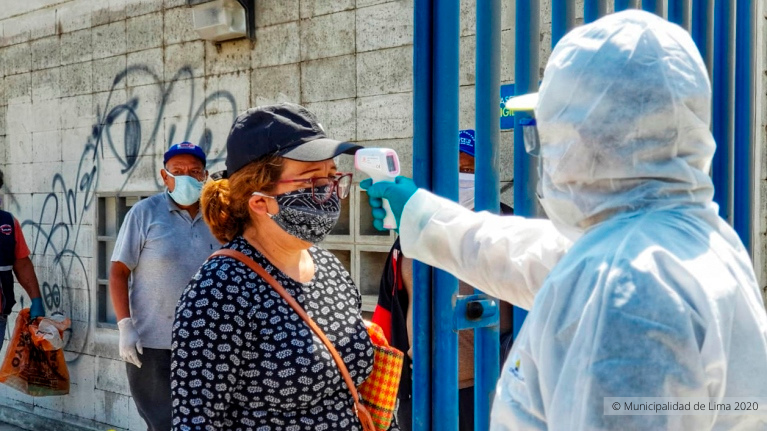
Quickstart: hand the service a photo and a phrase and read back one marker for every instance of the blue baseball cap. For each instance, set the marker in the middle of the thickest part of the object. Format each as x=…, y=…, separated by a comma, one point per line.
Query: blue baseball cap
x=184, y=148
x=466, y=141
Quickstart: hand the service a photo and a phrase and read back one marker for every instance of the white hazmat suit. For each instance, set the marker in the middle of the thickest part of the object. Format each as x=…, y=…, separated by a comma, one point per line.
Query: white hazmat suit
x=657, y=296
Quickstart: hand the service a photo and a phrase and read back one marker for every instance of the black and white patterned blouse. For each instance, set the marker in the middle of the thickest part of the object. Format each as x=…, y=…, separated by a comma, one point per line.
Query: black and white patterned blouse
x=244, y=360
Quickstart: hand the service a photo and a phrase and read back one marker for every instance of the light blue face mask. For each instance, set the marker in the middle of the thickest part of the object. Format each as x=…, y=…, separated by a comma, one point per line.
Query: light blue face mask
x=187, y=190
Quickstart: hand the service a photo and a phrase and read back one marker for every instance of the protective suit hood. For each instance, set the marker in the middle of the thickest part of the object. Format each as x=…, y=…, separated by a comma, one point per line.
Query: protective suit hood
x=623, y=116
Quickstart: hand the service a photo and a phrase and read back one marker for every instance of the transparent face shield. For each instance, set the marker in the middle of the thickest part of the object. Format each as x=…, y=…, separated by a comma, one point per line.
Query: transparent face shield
x=533, y=147
x=525, y=106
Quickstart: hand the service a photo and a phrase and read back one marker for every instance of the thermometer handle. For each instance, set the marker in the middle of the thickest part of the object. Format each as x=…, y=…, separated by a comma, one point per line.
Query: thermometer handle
x=389, y=221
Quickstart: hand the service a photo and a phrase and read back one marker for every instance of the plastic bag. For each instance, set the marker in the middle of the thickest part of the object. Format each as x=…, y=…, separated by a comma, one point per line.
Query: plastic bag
x=30, y=369
x=47, y=333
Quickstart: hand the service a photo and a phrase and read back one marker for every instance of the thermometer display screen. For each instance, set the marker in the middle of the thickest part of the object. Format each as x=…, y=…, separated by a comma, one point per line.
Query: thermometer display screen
x=390, y=161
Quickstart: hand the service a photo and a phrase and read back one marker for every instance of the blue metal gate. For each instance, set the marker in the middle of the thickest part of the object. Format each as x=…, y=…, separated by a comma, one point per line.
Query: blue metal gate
x=723, y=31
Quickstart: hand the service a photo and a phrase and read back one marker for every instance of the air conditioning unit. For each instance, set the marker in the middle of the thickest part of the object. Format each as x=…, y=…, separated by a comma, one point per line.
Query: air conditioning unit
x=220, y=20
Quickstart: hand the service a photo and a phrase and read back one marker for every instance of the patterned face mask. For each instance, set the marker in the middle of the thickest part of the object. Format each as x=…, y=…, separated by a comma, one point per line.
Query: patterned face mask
x=302, y=217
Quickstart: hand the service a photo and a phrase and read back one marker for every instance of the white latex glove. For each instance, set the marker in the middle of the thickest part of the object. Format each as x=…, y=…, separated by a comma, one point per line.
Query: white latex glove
x=129, y=342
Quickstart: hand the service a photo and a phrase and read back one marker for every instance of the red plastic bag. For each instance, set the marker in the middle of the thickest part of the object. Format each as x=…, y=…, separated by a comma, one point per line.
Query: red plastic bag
x=30, y=369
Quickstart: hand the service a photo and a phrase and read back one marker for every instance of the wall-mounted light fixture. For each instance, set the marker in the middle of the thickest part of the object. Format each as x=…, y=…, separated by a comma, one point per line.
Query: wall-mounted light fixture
x=220, y=20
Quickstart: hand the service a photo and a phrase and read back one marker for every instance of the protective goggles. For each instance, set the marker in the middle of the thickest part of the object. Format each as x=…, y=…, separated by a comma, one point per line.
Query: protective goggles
x=533, y=147
x=526, y=104
x=530, y=136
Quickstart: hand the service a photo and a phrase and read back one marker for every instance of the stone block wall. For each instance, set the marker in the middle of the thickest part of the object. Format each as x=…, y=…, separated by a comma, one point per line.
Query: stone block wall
x=93, y=91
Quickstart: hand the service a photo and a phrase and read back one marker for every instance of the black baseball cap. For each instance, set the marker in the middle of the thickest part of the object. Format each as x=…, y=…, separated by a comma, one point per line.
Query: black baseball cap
x=283, y=129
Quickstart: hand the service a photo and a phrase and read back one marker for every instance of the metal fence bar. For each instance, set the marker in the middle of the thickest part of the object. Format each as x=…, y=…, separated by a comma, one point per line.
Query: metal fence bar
x=701, y=30
x=562, y=19
x=488, y=191
x=591, y=10
x=622, y=5
x=722, y=107
x=676, y=12
x=444, y=146
x=744, y=120
x=653, y=6
x=526, y=81
x=422, y=171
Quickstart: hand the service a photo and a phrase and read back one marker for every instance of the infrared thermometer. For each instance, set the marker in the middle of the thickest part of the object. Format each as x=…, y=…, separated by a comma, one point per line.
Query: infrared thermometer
x=381, y=164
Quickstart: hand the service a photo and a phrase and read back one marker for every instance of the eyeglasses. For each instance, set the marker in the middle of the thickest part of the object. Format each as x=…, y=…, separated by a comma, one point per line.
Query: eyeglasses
x=323, y=187
x=194, y=173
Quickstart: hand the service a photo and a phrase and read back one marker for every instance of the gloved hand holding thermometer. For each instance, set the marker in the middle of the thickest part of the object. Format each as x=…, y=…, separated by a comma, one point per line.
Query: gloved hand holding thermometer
x=382, y=164
x=388, y=193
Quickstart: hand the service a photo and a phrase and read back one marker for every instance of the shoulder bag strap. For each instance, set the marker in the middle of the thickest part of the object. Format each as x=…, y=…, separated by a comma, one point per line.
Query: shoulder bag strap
x=258, y=269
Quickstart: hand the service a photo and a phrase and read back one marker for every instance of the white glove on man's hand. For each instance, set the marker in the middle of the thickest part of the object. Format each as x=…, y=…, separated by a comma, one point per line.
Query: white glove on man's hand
x=129, y=342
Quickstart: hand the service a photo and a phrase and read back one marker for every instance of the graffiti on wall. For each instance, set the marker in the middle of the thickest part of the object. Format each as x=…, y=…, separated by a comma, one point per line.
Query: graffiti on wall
x=61, y=224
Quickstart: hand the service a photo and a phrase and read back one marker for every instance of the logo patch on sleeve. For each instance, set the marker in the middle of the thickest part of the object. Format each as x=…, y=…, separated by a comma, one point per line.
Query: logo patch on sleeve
x=6, y=229
x=515, y=368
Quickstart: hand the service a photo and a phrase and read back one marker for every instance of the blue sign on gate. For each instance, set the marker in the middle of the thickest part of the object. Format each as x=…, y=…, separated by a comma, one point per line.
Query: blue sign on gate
x=507, y=117
x=467, y=141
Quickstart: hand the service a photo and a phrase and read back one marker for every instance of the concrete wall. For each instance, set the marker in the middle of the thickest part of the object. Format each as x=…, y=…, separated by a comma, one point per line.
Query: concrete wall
x=92, y=93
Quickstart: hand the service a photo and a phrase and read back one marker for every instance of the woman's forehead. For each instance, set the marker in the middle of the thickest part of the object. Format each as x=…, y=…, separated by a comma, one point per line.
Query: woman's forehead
x=292, y=167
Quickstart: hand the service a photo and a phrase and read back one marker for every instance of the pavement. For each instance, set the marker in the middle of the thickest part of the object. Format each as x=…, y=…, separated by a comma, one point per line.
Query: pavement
x=8, y=427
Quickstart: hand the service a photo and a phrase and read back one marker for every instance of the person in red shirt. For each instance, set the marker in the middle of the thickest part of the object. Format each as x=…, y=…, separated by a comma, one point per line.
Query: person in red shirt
x=14, y=260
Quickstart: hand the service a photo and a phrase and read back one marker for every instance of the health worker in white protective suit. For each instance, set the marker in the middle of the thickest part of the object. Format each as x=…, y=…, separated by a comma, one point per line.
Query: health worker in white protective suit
x=657, y=296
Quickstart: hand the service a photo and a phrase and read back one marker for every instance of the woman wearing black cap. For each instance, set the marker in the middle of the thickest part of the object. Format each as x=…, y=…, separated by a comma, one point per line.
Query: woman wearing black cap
x=242, y=358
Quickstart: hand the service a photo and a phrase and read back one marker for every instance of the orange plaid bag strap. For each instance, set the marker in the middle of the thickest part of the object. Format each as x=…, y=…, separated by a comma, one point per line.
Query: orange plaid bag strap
x=362, y=413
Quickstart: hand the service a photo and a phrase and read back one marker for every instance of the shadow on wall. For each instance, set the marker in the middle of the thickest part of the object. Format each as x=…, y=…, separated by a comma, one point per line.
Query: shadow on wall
x=59, y=224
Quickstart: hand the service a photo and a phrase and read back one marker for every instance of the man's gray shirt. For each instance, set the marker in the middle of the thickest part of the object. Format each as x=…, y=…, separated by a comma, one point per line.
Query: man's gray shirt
x=163, y=247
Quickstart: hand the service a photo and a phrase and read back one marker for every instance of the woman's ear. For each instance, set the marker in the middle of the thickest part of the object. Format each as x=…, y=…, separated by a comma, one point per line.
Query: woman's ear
x=259, y=204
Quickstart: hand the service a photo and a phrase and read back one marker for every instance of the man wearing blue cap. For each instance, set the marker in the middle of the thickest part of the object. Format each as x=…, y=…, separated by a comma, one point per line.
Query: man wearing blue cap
x=162, y=242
